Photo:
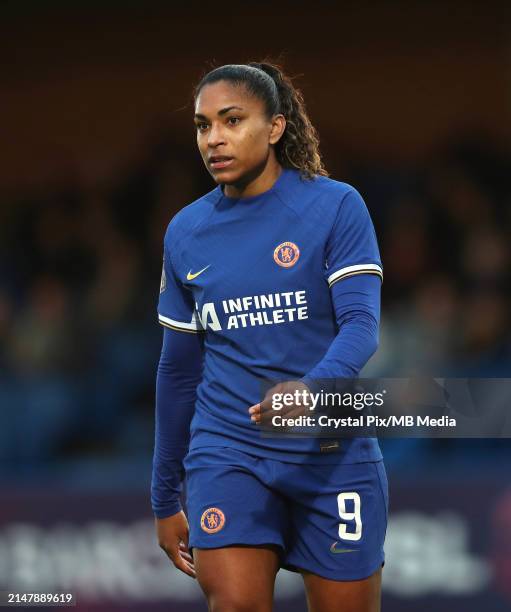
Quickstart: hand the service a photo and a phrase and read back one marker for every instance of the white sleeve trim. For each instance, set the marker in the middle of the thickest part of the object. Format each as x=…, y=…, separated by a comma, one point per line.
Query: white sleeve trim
x=352, y=270
x=193, y=326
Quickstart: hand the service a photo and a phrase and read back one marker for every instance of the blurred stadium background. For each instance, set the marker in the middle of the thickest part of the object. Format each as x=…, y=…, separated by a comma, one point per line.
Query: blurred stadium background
x=412, y=102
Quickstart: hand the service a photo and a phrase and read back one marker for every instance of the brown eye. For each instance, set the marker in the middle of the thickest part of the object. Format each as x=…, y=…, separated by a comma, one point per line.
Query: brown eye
x=202, y=127
x=234, y=120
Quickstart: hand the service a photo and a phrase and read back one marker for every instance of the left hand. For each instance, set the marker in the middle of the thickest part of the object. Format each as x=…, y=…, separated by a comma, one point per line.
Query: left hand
x=262, y=413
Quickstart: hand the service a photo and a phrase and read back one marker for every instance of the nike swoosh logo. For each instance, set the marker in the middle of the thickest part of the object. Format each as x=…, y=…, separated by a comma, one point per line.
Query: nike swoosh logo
x=191, y=276
x=335, y=550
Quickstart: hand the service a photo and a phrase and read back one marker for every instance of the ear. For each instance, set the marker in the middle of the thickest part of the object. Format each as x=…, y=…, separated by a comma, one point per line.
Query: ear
x=278, y=125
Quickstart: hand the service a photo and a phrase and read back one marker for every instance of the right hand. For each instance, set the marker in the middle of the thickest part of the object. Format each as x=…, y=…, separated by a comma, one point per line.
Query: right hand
x=172, y=535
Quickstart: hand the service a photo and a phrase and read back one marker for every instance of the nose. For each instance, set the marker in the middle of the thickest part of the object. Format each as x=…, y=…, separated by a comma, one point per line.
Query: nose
x=215, y=136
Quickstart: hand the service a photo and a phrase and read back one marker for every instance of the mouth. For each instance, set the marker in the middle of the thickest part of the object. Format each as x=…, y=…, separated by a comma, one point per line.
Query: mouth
x=218, y=162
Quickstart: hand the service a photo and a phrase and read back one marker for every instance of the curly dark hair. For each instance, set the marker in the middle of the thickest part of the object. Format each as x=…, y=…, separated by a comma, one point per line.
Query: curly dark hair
x=299, y=145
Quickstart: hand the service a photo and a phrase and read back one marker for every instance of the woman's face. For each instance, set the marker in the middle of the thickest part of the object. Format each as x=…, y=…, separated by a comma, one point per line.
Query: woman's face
x=234, y=133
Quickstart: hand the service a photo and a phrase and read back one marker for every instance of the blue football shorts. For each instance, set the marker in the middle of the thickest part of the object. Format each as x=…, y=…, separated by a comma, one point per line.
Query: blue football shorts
x=326, y=519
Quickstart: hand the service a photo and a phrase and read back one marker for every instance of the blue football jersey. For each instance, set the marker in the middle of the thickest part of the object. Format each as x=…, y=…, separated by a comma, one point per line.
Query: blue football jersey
x=254, y=275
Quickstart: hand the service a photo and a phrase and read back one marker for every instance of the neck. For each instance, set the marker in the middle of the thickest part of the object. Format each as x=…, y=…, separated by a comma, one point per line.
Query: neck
x=261, y=180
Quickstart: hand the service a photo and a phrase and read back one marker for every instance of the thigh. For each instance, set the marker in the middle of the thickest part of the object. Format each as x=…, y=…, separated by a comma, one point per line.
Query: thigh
x=339, y=516
x=237, y=579
x=228, y=502
x=324, y=595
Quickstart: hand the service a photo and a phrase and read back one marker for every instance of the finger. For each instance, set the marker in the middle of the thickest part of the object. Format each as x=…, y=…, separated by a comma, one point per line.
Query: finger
x=185, y=568
x=181, y=564
x=184, y=546
x=266, y=403
x=187, y=557
x=185, y=553
x=255, y=413
x=190, y=568
x=254, y=409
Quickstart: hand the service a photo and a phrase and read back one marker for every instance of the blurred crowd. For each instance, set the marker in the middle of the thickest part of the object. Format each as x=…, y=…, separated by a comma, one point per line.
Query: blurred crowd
x=79, y=280
x=444, y=233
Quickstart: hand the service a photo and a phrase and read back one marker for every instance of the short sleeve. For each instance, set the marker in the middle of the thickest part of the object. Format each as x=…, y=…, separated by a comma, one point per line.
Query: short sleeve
x=176, y=308
x=352, y=247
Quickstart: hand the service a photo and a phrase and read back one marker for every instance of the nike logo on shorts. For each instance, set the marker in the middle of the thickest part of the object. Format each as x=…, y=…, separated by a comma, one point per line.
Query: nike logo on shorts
x=335, y=550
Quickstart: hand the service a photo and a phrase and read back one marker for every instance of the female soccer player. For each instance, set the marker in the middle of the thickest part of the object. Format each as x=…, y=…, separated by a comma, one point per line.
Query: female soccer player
x=275, y=274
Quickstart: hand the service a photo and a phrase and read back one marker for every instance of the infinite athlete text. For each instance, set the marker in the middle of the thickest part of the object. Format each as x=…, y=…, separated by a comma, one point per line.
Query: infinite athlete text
x=252, y=310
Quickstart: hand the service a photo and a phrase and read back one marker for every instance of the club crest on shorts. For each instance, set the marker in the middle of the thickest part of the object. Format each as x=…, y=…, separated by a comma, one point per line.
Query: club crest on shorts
x=286, y=254
x=212, y=520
